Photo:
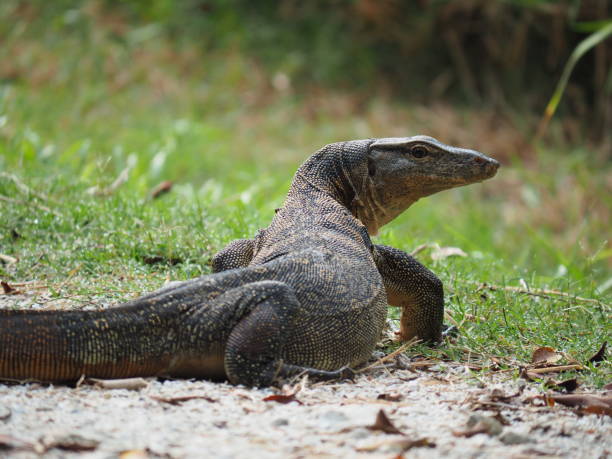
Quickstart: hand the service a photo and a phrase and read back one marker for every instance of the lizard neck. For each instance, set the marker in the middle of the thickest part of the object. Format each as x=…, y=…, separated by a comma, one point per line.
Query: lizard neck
x=340, y=174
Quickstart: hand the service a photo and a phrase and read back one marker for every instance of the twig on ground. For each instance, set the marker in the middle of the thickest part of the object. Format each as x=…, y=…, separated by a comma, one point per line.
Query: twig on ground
x=127, y=383
x=557, y=369
x=390, y=356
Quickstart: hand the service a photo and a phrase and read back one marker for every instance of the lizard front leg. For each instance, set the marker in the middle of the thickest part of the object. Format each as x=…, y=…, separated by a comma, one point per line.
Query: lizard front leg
x=237, y=254
x=415, y=289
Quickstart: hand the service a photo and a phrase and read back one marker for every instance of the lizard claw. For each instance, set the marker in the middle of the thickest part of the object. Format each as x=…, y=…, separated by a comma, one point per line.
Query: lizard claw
x=346, y=373
x=449, y=331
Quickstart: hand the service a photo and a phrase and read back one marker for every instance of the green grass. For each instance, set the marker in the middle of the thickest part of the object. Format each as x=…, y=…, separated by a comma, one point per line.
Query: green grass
x=77, y=112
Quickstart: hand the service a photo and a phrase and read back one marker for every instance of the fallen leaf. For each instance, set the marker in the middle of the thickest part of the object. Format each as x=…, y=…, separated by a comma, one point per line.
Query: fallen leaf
x=545, y=355
x=593, y=409
x=392, y=397
x=8, y=290
x=569, y=385
x=178, y=400
x=161, y=189
x=284, y=399
x=589, y=403
x=440, y=253
x=600, y=356
x=383, y=424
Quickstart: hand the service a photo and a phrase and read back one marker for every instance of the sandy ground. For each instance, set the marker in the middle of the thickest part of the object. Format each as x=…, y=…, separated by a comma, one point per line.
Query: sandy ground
x=327, y=420
x=430, y=406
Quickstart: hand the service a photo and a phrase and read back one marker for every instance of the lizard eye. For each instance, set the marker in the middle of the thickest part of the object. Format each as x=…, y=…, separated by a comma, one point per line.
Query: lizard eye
x=418, y=152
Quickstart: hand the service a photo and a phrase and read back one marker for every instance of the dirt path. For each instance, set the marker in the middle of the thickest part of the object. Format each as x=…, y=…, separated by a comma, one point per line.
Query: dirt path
x=326, y=420
x=429, y=405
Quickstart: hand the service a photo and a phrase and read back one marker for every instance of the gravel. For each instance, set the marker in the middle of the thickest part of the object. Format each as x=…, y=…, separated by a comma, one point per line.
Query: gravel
x=329, y=420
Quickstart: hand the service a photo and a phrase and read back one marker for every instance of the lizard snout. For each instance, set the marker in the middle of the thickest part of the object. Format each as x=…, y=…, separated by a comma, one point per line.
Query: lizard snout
x=489, y=165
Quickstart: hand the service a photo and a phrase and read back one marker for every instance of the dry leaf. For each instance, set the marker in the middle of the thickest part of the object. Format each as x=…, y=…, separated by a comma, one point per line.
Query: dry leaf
x=161, y=189
x=284, y=399
x=589, y=403
x=392, y=397
x=440, y=253
x=7, y=289
x=545, y=355
x=600, y=356
x=179, y=400
x=569, y=385
x=383, y=424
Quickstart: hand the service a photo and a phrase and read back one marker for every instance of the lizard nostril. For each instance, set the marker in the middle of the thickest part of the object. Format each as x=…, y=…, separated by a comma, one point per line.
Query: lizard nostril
x=479, y=160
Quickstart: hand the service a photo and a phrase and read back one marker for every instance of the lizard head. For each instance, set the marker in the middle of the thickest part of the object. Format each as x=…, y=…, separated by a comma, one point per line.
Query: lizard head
x=401, y=170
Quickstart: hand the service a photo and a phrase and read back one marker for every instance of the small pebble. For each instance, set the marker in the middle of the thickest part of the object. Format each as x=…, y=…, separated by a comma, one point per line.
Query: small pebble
x=512, y=438
x=493, y=426
x=5, y=413
x=280, y=422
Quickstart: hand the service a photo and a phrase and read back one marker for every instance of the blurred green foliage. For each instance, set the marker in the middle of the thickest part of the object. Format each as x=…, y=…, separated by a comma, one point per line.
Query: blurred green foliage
x=225, y=99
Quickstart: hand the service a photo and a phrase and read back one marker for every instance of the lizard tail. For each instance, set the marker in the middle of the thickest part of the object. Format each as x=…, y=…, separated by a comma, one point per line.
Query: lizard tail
x=65, y=345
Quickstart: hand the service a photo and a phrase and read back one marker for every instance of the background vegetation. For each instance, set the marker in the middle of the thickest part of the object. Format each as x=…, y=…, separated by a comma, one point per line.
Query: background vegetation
x=100, y=102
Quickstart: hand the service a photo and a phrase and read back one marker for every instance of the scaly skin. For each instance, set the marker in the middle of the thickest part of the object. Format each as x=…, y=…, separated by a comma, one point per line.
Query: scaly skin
x=308, y=293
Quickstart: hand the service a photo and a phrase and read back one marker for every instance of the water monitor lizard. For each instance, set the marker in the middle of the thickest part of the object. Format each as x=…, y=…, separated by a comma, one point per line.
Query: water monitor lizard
x=308, y=293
